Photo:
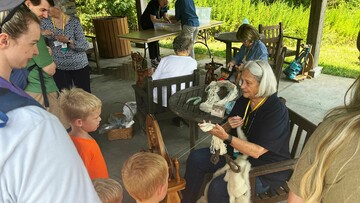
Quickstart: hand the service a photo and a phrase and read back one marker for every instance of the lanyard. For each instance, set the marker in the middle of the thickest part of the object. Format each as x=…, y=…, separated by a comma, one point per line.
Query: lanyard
x=63, y=24
x=256, y=107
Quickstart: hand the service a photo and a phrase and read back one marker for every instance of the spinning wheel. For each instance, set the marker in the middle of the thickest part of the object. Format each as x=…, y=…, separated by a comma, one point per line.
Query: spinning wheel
x=309, y=63
x=156, y=145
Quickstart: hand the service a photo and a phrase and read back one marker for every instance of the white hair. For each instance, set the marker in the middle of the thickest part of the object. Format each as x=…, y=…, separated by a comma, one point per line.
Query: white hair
x=264, y=74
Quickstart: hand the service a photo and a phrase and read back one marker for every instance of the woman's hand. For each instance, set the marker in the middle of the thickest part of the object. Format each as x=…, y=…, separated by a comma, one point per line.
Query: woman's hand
x=235, y=121
x=231, y=64
x=62, y=38
x=219, y=132
x=47, y=33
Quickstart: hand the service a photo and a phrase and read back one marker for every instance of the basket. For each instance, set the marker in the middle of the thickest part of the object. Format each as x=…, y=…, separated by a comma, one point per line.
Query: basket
x=121, y=133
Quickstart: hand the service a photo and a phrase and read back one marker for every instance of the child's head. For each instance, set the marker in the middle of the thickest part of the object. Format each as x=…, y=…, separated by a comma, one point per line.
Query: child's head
x=182, y=44
x=225, y=73
x=145, y=176
x=81, y=108
x=108, y=190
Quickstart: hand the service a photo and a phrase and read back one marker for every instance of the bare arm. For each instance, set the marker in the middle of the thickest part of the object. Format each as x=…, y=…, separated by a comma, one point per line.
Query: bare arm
x=293, y=198
x=242, y=146
x=155, y=20
x=50, y=69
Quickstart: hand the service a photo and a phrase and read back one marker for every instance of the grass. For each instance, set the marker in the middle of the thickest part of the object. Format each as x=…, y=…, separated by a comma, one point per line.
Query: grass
x=335, y=59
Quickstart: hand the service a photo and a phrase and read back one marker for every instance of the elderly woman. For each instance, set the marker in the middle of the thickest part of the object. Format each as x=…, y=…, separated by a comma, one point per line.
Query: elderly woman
x=68, y=43
x=265, y=122
x=175, y=65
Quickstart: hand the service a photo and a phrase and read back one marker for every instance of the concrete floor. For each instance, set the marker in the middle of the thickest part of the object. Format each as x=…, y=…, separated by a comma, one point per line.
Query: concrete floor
x=311, y=98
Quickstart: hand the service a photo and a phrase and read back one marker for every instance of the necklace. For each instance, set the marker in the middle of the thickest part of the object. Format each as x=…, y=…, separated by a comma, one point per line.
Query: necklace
x=63, y=23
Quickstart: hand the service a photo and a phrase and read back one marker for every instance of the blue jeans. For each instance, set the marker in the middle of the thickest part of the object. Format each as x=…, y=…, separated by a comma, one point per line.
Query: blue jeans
x=198, y=164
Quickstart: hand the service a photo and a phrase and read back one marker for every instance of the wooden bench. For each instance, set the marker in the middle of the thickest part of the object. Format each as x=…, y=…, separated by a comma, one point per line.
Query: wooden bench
x=145, y=99
x=301, y=129
x=93, y=53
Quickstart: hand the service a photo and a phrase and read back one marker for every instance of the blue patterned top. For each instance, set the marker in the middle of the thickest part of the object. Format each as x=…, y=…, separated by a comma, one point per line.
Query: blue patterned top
x=74, y=58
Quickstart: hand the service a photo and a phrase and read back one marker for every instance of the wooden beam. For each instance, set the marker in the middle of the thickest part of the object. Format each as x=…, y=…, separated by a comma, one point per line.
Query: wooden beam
x=315, y=29
x=140, y=7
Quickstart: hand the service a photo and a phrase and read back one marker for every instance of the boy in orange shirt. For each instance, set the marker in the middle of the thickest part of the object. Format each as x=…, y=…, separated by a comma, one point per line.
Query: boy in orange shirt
x=82, y=110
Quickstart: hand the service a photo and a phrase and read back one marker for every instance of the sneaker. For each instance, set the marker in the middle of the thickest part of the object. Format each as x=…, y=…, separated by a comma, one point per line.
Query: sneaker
x=158, y=59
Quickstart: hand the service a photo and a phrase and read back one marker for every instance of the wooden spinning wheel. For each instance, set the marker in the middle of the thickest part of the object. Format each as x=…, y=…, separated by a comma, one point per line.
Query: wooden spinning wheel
x=309, y=63
x=156, y=145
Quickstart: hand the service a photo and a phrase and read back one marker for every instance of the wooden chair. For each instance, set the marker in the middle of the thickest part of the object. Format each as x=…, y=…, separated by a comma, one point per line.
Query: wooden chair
x=156, y=145
x=145, y=99
x=279, y=65
x=272, y=37
x=301, y=129
x=93, y=53
x=291, y=52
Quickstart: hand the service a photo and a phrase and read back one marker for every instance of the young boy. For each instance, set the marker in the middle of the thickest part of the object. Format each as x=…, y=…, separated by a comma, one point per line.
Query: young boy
x=109, y=190
x=145, y=177
x=225, y=74
x=82, y=110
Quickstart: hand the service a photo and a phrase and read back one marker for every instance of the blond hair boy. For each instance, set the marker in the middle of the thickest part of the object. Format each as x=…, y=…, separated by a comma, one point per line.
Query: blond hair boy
x=82, y=110
x=145, y=177
x=109, y=190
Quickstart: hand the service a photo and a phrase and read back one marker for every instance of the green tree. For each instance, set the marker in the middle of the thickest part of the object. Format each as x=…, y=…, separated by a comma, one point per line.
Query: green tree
x=89, y=9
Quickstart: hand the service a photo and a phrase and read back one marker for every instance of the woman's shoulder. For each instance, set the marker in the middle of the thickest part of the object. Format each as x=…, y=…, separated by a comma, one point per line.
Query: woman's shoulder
x=274, y=103
x=259, y=43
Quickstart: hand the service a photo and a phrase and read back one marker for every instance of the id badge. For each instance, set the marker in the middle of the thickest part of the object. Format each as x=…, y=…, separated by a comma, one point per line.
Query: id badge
x=57, y=43
x=63, y=45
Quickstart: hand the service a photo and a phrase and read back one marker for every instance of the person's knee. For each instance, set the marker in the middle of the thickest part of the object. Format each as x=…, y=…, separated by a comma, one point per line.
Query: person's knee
x=195, y=157
x=217, y=191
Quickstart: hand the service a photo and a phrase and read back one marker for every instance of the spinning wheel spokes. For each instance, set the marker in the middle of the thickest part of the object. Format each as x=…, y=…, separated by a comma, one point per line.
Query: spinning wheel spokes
x=156, y=143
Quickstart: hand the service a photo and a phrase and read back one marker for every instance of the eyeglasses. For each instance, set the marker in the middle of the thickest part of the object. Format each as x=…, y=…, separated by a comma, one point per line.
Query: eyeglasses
x=12, y=13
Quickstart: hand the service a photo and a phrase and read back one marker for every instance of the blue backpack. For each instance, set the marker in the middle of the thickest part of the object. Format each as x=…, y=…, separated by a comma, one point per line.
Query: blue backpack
x=19, y=77
x=9, y=101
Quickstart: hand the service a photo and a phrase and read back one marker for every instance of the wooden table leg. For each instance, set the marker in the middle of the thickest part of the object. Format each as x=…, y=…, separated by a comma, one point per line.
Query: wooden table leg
x=228, y=52
x=192, y=127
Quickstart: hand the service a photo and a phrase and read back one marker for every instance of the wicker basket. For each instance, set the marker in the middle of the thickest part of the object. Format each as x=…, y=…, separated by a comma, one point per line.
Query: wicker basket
x=122, y=133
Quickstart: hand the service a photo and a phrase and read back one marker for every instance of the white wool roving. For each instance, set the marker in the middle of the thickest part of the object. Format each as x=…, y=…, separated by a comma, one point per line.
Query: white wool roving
x=238, y=185
x=216, y=143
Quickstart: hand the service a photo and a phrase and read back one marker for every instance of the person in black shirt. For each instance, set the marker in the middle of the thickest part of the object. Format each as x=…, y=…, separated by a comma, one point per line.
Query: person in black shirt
x=264, y=120
x=155, y=10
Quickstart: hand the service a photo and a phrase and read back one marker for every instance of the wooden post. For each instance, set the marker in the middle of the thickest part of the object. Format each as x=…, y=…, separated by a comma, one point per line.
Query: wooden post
x=316, y=24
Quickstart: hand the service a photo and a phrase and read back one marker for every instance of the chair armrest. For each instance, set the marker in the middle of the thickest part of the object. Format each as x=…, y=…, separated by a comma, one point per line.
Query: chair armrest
x=290, y=37
x=139, y=91
x=272, y=168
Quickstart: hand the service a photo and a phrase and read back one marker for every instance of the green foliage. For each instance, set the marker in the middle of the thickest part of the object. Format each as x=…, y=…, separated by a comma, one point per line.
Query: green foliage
x=339, y=33
x=88, y=9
